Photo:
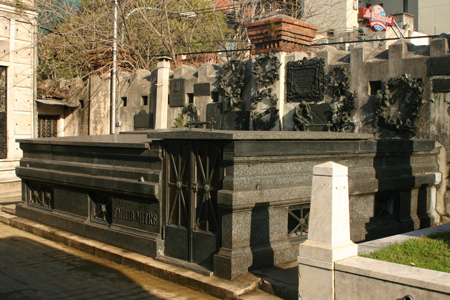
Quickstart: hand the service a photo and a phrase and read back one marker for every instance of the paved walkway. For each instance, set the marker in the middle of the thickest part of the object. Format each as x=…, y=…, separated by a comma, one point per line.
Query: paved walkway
x=35, y=268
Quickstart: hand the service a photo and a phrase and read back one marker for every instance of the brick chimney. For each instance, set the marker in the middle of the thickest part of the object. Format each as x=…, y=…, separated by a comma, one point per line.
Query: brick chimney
x=280, y=33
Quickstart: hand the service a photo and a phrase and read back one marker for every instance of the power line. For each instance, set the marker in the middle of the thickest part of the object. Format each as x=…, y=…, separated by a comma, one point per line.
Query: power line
x=375, y=40
x=202, y=52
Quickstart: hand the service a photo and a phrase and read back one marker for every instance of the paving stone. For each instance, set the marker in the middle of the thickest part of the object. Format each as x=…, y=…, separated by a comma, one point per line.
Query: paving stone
x=36, y=268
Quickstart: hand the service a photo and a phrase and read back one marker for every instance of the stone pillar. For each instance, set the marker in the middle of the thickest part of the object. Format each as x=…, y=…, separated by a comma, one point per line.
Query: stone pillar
x=280, y=88
x=329, y=232
x=162, y=93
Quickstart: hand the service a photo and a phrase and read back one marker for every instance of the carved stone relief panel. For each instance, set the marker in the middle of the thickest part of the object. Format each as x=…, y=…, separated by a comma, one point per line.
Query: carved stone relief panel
x=40, y=195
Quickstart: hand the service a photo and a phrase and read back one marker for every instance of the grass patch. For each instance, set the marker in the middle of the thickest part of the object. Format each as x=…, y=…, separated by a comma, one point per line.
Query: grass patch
x=428, y=252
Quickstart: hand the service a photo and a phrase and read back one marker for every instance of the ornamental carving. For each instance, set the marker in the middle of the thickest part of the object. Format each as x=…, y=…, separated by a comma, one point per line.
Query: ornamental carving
x=302, y=117
x=41, y=195
x=305, y=80
x=101, y=207
x=343, y=103
x=232, y=82
x=189, y=111
x=259, y=118
x=266, y=69
x=399, y=104
x=266, y=73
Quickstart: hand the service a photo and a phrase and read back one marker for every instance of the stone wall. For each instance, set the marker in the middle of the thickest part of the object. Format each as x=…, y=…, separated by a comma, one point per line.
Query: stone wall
x=85, y=106
x=353, y=92
x=364, y=278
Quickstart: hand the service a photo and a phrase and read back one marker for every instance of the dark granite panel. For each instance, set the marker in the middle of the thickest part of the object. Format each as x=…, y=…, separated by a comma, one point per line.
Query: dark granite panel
x=140, y=242
x=236, y=120
x=205, y=245
x=143, y=120
x=202, y=89
x=441, y=85
x=86, y=181
x=404, y=146
x=439, y=66
x=255, y=148
x=177, y=242
x=177, y=94
x=321, y=117
x=136, y=213
x=71, y=201
x=94, y=169
x=214, y=113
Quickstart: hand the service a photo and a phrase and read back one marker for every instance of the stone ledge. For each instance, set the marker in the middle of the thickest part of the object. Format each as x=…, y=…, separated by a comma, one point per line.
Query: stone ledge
x=201, y=134
x=402, y=274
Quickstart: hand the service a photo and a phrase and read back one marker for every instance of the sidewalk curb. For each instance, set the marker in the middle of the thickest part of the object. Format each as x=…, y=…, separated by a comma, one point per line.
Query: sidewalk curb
x=213, y=286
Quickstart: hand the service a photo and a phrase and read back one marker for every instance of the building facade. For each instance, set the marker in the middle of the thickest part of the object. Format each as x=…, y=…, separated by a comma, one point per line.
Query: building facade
x=17, y=86
x=430, y=15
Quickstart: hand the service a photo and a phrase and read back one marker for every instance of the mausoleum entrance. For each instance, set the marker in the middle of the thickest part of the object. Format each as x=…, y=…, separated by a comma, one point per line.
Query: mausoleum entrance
x=193, y=175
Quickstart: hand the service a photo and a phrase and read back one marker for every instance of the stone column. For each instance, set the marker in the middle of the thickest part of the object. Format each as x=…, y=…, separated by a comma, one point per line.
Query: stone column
x=162, y=93
x=329, y=232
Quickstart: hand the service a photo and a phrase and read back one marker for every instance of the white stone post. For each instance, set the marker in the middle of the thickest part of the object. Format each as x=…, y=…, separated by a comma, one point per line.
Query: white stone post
x=329, y=232
x=162, y=93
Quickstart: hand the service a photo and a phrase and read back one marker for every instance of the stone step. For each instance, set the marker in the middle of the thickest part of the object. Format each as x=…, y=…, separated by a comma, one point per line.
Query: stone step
x=9, y=163
x=7, y=173
x=280, y=280
x=10, y=187
x=258, y=295
x=9, y=208
x=8, y=170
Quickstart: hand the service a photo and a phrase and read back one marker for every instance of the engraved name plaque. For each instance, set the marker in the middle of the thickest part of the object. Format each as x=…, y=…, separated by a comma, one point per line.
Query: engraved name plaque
x=439, y=66
x=202, y=89
x=136, y=213
x=441, y=85
x=177, y=97
x=305, y=80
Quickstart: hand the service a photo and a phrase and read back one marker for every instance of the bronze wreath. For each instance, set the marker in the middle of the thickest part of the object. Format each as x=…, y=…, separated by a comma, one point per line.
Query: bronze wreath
x=262, y=76
x=406, y=94
x=232, y=81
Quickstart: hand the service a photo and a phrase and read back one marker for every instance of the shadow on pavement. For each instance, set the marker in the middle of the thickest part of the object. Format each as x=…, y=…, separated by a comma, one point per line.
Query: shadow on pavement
x=31, y=270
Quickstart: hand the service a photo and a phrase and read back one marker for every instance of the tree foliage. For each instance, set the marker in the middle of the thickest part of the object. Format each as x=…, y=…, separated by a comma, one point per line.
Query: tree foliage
x=76, y=37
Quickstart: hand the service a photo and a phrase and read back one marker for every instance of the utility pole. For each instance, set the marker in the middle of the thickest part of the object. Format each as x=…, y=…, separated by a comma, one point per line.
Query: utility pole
x=114, y=72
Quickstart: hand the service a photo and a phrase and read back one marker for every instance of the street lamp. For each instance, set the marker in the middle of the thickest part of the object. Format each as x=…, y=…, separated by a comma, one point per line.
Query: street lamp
x=187, y=14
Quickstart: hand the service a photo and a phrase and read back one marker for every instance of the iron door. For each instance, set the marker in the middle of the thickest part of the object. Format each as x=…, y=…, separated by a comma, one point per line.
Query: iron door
x=193, y=177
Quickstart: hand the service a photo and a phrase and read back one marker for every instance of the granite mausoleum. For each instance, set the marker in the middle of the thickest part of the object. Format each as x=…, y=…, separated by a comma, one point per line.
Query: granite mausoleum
x=235, y=197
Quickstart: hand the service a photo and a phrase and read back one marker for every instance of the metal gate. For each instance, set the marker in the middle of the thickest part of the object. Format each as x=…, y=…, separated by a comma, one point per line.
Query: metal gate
x=193, y=177
x=47, y=126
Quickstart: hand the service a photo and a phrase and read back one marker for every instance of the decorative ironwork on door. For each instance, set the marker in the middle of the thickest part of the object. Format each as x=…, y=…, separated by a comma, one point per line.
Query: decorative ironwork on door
x=3, y=114
x=193, y=177
x=47, y=126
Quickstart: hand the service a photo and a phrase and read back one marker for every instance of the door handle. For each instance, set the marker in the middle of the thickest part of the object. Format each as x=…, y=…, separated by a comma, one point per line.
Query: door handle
x=194, y=187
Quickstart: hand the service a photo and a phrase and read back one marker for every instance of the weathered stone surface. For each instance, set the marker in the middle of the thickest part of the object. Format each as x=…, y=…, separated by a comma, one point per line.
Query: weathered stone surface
x=265, y=175
x=253, y=135
x=328, y=233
